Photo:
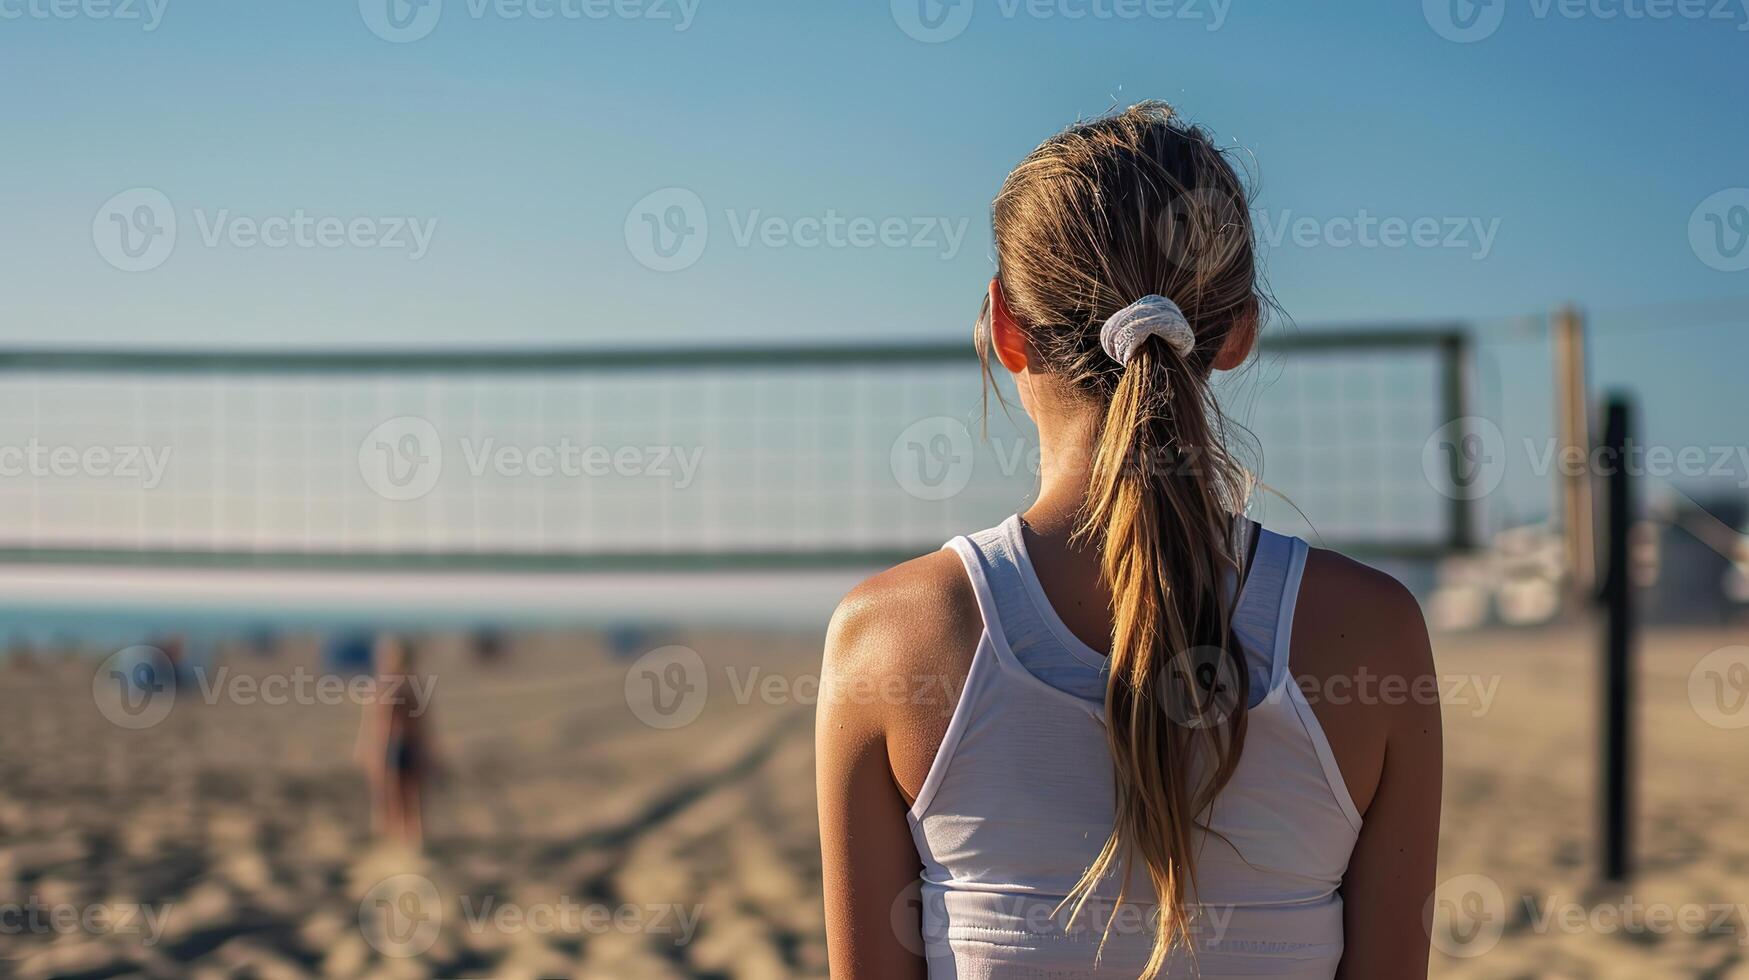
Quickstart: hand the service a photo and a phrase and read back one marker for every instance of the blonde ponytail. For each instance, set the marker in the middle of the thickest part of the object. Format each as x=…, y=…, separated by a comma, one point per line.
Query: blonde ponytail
x=1094, y=219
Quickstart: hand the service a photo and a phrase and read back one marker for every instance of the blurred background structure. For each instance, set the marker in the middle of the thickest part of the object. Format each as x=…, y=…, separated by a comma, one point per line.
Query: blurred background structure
x=595, y=353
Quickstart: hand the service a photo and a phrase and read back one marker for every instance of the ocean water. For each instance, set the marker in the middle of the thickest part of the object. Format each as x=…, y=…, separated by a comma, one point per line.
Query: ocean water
x=103, y=609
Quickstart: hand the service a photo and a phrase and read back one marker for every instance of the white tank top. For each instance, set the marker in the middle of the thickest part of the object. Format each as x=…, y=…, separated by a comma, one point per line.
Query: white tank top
x=1019, y=800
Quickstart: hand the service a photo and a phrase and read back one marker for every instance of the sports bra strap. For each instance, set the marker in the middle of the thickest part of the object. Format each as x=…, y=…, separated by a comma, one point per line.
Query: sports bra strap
x=1263, y=619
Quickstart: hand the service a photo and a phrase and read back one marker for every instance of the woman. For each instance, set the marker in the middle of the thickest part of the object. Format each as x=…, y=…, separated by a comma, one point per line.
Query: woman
x=393, y=745
x=1138, y=776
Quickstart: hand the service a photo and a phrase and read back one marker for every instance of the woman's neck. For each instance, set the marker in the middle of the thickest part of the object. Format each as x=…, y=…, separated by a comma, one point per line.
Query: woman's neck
x=1068, y=567
x=1067, y=443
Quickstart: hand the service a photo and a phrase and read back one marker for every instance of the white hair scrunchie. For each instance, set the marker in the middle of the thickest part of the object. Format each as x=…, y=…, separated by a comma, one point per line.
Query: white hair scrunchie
x=1150, y=316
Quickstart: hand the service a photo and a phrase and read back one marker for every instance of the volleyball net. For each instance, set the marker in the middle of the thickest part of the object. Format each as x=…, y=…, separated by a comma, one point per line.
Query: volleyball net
x=696, y=458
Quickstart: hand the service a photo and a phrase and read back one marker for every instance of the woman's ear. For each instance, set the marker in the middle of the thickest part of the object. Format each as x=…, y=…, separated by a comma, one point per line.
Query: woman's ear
x=1005, y=335
x=1238, y=344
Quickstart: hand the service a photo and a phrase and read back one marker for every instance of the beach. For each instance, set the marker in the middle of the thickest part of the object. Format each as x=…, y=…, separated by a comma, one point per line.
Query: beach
x=642, y=806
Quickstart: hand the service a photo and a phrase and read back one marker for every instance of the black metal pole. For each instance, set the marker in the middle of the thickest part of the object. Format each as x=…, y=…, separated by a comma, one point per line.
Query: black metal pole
x=1617, y=598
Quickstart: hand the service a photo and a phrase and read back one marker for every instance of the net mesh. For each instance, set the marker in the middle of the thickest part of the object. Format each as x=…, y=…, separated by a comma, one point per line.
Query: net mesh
x=1342, y=434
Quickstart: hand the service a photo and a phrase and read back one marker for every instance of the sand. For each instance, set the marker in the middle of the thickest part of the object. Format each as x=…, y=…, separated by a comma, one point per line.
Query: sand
x=568, y=836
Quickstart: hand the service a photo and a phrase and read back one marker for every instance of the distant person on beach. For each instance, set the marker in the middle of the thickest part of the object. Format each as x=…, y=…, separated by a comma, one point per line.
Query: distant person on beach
x=489, y=645
x=20, y=655
x=1170, y=743
x=393, y=744
x=174, y=647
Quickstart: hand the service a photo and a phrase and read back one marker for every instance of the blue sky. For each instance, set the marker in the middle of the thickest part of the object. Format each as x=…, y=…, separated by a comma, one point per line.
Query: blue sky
x=1562, y=157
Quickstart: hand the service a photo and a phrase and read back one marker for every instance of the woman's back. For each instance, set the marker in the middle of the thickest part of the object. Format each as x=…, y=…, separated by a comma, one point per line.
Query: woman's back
x=999, y=751
x=999, y=857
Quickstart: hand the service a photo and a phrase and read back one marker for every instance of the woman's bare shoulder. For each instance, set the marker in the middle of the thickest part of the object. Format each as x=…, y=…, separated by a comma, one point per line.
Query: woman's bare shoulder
x=908, y=616
x=897, y=655
x=1361, y=656
x=1351, y=616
